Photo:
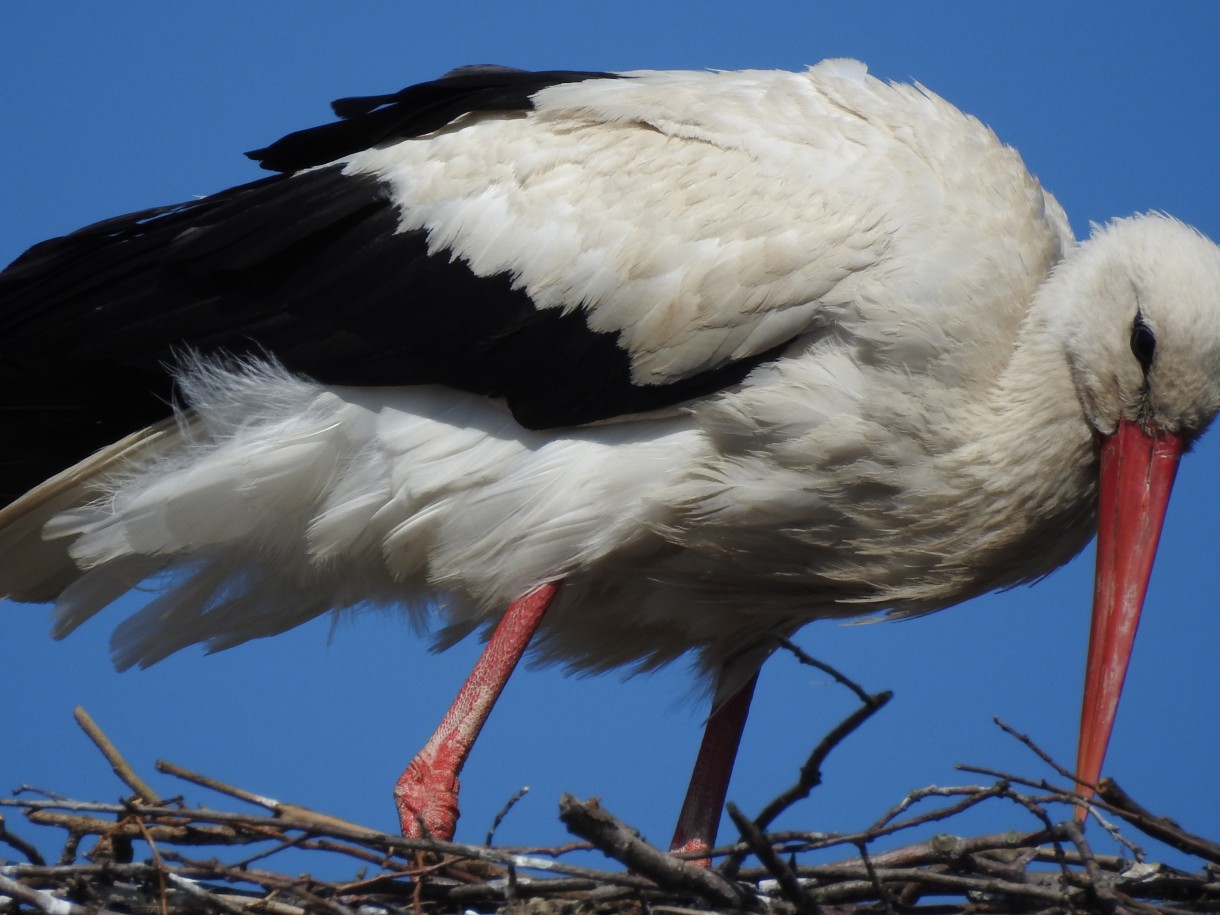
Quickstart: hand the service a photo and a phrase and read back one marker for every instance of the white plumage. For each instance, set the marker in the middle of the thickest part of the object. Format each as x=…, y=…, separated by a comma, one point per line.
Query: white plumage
x=927, y=361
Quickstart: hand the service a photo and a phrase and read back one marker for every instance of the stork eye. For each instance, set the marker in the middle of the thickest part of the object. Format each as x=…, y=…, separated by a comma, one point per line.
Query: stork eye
x=1143, y=343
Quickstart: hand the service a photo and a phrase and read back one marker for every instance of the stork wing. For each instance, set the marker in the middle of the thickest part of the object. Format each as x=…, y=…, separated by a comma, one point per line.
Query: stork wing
x=578, y=244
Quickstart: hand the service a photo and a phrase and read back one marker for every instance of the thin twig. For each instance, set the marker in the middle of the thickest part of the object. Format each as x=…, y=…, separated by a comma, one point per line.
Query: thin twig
x=811, y=771
x=882, y=893
x=810, y=661
x=31, y=853
x=1162, y=829
x=788, y=882
x=120, y=766
x=1028, y=742
x=499, y=818
x=294, y=812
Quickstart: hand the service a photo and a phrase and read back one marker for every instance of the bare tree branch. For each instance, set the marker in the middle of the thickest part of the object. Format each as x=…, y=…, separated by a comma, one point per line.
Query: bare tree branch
x=589, y=821
x=115, y=758
x=203, y=861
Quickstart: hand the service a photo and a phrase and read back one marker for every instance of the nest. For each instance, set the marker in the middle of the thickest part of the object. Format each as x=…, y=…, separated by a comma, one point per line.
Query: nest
x=204, y=860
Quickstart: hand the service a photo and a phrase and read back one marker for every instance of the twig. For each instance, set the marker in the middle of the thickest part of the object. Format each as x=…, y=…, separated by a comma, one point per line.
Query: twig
x=1035, y=749
x=1162, y=829
x=1097, y=885
x=811, y=772
x=499, y=818
x=783, y=874
x=974, y=796
x=115, y=758
x=12, y=841
x=211, y=899
x=882, y=893
x=810, y=661
x=157, y=863
x=589, y=821
x=294, y=812
x=45, y=902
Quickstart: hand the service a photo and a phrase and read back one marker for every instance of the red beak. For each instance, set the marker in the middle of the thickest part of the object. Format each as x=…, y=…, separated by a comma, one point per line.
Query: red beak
x=1137, y=471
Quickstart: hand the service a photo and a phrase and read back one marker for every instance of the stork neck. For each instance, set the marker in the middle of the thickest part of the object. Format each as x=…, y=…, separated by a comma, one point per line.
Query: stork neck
x=1033, y=467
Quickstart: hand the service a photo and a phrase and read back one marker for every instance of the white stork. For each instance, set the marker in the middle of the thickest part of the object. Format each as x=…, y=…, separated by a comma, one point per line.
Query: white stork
x=661, y=362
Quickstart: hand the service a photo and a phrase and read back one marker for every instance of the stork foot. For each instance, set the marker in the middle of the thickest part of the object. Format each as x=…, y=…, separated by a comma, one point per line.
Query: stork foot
x=426, y=795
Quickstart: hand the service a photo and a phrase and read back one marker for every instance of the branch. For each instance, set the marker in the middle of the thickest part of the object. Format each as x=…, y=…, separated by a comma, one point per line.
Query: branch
x=1161, y=828
x=589, y=821
x=115, y=758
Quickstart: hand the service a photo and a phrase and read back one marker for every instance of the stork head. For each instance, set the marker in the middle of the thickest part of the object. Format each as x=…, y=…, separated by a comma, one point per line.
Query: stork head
x=1139, y=317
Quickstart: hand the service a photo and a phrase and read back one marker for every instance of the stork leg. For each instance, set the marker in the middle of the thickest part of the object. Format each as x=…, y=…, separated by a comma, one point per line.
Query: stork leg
x=426, y=792
x=709, y=782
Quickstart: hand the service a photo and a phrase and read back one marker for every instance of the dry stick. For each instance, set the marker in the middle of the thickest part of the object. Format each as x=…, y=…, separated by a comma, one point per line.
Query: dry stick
x=212, y=899
x=977, y=796
x=157, y=863
x=219, y=787
x=936, y=882
x=848, y=884
x=1037, y=750
x=880, y=877
x=1060, y=795
x=46, y=902
x=820, y=841
x=176, y=834
x=417, y=894
x=553, y=851
x=854, y=881
x=589, y=821
x=488, y=892
x=1054, y=764
x=1097, y=886
x=301, y=815
x=1036, y=810
x=810, y=661
x=499, y=818
x=1065, y=773
x=115, y=758
x=393, y=844
x=1065, y=796
x=181, y=833
x=1161, y=828
x=278, y=884
x=811, y=772
x=281, y=845
x=827, y=892
x=789, y=883
x=30, y=852
x=67, y=855
x=882, y=893
x=942, y=848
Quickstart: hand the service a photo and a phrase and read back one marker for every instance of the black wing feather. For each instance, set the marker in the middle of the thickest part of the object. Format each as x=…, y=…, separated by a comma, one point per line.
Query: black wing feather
x=310, y=268
x=414, y=111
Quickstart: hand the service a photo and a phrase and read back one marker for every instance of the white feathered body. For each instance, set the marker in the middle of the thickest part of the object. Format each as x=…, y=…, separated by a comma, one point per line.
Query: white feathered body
x=888, y=460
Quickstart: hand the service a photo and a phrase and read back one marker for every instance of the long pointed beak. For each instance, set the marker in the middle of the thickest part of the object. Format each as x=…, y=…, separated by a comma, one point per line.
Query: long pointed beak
x=1137, y=471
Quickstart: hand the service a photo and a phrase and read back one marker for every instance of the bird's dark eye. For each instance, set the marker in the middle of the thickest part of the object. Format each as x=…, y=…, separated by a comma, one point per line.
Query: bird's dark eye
x=1143, y=343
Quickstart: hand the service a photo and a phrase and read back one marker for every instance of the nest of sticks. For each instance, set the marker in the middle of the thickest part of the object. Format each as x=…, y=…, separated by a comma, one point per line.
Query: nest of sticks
x=158, y=855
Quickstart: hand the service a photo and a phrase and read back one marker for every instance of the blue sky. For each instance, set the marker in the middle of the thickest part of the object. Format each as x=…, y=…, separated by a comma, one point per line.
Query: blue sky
x=108, y=108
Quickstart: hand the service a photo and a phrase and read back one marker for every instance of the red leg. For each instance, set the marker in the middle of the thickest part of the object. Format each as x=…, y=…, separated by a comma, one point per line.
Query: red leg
x=709, y=782
x=426, y=793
